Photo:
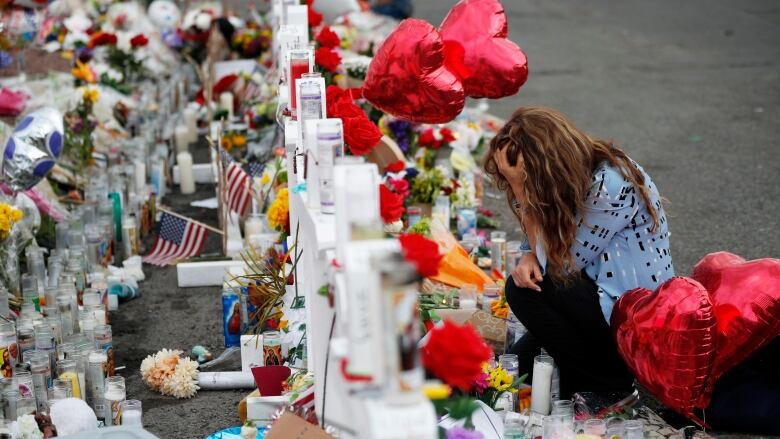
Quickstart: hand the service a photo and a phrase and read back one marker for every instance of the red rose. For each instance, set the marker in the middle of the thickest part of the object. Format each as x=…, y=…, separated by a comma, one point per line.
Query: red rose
x=422, y=252
x=328, y=38
x=400, y=186
x=396, y=166
x=139, y=40
x=327, y=58
x=335, y=95
x=455, y=354
x=101, y=39
x=446, y=135
x=361, y=135
x=391, y=205
x=346, y=110
x=428, y=139
x=315, y=18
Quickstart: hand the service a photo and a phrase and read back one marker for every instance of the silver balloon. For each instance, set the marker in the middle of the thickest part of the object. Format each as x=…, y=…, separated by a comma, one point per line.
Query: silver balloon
x=33, y=148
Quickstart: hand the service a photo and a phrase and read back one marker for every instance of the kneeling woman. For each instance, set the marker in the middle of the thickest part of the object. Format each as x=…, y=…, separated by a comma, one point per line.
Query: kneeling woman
x=596, y=229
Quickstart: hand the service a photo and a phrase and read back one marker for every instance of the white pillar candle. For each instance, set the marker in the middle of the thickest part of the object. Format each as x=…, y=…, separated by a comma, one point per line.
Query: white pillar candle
x=226, y=102
x=186, y=178
x=140, y=177
x=181, y=135
x=191, y=121
x=540, y=386
x=132, y=417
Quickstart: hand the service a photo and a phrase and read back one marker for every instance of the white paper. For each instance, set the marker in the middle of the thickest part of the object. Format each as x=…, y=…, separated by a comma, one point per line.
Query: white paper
x=208, y=203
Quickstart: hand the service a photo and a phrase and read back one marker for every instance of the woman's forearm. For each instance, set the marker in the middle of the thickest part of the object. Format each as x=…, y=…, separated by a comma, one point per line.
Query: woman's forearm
x=528, y=225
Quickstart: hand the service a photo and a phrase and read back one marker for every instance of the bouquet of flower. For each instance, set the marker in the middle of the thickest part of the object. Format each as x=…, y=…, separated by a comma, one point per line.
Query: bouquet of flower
x=171, y=374
x=494, y=382
x=251, y=41
x=9, y=249
x=79, y=126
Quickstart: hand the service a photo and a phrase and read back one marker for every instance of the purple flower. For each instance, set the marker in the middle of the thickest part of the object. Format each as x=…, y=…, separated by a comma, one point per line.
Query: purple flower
x=5, y=59
x=400, y=129
x=462, y=433
x=172, y=39
x=84, y=54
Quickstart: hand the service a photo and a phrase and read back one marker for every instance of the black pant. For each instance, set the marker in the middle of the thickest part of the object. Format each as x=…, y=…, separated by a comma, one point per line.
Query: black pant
x=567, y=321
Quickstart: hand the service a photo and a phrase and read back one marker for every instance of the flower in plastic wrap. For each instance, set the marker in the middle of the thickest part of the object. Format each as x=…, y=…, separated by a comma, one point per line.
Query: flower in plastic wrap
x=169, y=374
x=455, y=354
x=9, y=216
x=422, y=252
x=26, y=428
x=33, y=148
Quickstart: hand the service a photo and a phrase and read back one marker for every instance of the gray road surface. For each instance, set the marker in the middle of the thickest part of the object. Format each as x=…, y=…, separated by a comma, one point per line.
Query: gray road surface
x=690, y=89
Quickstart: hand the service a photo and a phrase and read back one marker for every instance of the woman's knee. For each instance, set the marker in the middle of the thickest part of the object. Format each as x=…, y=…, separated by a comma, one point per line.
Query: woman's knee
x=518, y=296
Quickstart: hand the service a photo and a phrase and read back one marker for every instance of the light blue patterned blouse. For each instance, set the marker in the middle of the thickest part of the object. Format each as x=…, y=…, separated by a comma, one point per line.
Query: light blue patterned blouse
x=614, y=244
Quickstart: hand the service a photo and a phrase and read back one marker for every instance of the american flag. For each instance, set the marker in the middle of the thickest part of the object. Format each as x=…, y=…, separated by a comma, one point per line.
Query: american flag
x=237, y=186
x=178, y=239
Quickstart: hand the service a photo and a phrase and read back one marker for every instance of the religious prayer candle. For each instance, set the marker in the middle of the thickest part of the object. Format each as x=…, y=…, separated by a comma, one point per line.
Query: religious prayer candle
x=114, y=395
x=330, y=145
x=132, y=412
x=299, y=64
x=186, y=177
x=67, y=371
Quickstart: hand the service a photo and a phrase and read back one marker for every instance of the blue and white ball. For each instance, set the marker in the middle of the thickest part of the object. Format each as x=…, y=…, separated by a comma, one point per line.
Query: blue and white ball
x=33, y=149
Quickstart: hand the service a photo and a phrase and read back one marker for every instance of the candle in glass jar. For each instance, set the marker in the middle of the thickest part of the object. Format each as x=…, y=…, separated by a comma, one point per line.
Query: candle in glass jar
x=540, y=386
x=253, y=226
x=186, y=178
x=299, y=64
x=182, y=137
x=132, y=413
x=226, y=103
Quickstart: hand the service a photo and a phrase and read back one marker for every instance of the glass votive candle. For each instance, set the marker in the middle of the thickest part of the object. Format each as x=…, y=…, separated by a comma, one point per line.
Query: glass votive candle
x=563, y=407
x=634, y=429
x=510, y=363
x=595, y=427
x=468, y=296
x=616, y=429
x=558, y=427
x=132, y=412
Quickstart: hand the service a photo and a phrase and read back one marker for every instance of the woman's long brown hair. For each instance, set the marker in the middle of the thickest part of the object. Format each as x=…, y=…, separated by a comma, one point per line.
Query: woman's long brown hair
x=559, y=161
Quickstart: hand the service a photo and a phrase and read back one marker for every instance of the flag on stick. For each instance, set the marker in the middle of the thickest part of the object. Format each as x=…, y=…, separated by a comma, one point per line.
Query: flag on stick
x=178, y=238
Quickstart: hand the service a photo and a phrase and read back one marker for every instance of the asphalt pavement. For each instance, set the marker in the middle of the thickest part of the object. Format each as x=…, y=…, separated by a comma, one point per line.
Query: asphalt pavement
x=691, y=90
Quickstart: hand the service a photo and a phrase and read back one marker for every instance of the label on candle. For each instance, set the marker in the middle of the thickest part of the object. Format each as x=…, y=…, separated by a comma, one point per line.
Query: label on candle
x=113, y=411
x=6, y=361
x=311, y=101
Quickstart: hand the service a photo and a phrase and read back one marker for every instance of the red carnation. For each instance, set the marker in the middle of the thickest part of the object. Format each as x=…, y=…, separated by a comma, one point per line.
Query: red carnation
x=391, y=205
x=315, y=18
x=328, y=38
x=455, y=354
x=139, y=40
x=101, y=39
x=400, y=186
x=396, y=166
x=361, y=135
x=422, y=252
x=327, y=58
x=335, y=95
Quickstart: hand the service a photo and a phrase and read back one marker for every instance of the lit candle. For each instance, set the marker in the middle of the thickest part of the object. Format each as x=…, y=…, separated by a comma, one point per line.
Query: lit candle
x=226, y=103
x=186, y=179
x=181, y=135
x=540, y=386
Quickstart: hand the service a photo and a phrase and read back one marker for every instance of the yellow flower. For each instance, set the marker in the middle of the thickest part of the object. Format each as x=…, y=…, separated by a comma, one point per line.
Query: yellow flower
x=90, y=95
x=83, y=72
x=265, y=179
x=239, y=141
x=436, y=391
x=9, y=215
x=283, y=325
x=279, y=212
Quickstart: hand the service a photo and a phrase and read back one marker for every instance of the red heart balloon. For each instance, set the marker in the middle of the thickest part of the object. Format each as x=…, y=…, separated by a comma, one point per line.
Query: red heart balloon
x=408, y=79
x=746, y=299
x=475, y=41
x=667, y=338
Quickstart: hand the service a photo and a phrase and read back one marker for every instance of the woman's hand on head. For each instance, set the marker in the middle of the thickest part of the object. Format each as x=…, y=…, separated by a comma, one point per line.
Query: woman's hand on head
x=527, y=273
x=512, y=174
